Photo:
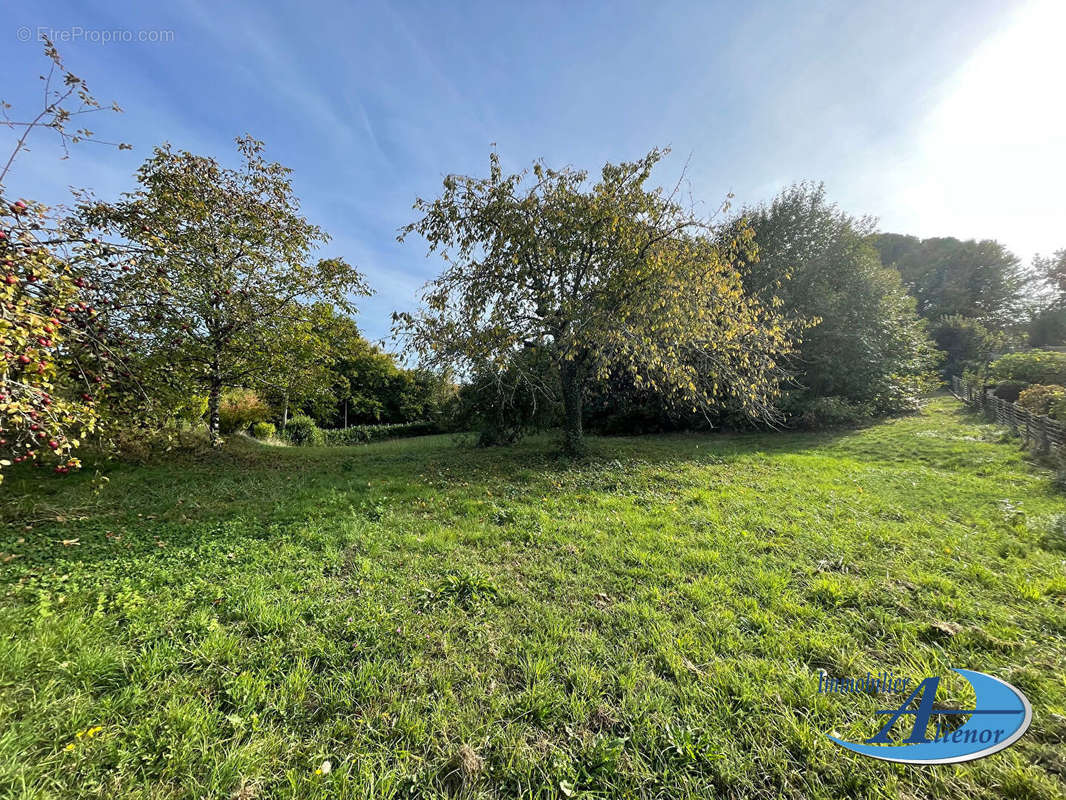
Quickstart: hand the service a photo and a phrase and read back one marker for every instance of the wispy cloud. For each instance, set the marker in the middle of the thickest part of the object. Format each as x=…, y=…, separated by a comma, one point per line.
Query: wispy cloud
x=371, y=104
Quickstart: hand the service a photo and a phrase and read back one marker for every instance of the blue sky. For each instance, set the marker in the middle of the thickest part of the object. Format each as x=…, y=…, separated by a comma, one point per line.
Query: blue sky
x=939, y=118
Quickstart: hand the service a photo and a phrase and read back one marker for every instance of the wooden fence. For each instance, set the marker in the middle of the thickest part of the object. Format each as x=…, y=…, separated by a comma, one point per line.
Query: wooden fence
x=1041, y=433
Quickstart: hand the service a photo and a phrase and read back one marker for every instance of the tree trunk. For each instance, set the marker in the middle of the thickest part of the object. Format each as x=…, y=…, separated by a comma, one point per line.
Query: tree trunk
x=572, y=375
x=285, y=411
x=214, y=400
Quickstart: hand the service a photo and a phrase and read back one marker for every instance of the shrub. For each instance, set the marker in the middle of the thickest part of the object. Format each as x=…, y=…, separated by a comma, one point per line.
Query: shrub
x=830, y=412
x=360, y=434
x=239, y=409
x=1058, y=409
x=1039, y=399
x=263, y=430
x=1009, y=390
x=505, y=402
x=1032, y=366
x=302, y=430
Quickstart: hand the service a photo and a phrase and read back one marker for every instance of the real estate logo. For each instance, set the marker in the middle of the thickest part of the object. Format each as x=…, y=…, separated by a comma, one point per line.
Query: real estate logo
x=1001, y=714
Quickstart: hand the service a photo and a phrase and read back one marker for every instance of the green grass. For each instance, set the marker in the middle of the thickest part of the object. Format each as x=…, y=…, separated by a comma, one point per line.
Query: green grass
x=436, y=620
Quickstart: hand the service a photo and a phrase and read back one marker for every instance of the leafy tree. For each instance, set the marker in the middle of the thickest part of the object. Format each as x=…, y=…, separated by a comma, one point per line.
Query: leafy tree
x=364, y=385
x=981, y=280
x=370, y=387
x=54, y=360
x=868, y=346
x=306, y=350
x=1047, y=327
x=427, y=395
x=1051, y=270
x=966, y=342
x=224, y=257
x=606, y=277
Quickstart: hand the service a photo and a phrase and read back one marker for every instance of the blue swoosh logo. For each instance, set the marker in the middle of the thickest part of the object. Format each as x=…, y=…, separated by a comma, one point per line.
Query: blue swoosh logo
x=995, y=699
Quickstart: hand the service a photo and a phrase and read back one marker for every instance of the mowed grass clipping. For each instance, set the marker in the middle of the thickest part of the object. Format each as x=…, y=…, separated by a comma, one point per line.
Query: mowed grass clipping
x=435, y=620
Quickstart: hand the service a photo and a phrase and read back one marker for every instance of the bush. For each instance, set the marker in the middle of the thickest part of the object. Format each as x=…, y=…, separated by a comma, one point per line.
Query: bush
x=239, y=409
x=1032, y=366
x=301, y=430
x=831, y=412
x=504, y=403
x=263, y=430
x=965, y=342
x=1039, y=399
x=1009, y=390
x=360, y=434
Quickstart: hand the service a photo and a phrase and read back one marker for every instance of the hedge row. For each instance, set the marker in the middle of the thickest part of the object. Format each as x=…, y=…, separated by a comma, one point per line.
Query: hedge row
x=359, y=434
x=1045, y=367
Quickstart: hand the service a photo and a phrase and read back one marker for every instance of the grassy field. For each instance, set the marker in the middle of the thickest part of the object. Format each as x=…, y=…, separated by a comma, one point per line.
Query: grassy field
x=436, y=620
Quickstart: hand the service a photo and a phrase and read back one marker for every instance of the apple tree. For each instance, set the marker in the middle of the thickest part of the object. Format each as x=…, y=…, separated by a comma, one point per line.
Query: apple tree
x=55, y=359
x=610, y=277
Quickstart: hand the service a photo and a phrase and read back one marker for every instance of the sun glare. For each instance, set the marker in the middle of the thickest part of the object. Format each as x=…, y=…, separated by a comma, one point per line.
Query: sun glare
x=993, y=150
